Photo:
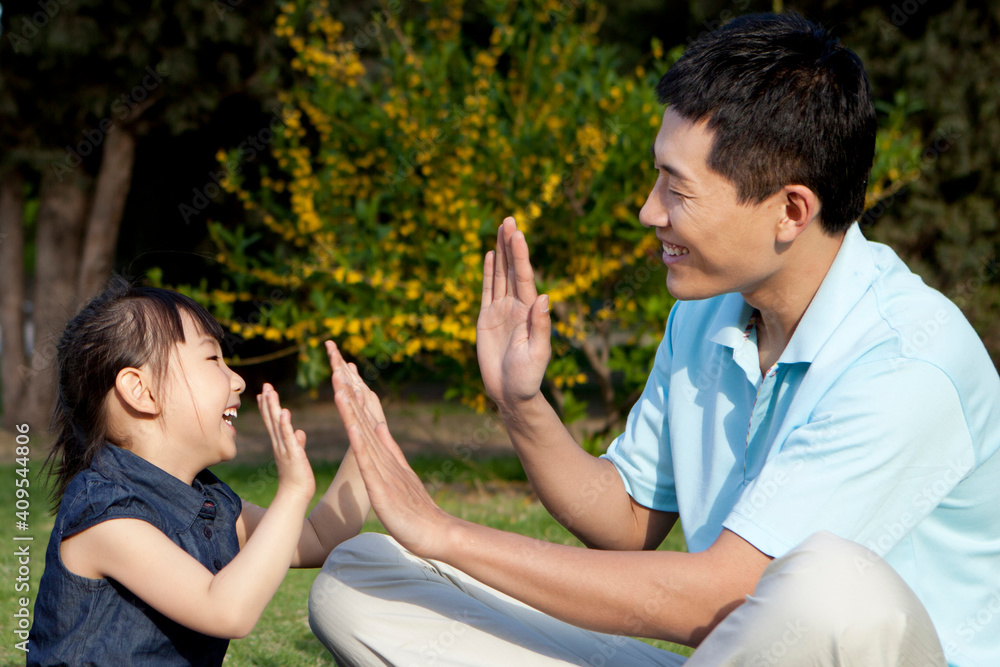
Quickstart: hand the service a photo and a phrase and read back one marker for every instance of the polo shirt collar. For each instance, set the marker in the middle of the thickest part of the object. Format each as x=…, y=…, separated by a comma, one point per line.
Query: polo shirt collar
x=729, y=325
x=184, y=501
x=847, y=280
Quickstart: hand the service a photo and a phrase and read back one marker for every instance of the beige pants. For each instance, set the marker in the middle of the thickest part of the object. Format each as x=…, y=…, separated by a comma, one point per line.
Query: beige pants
x=827, y=602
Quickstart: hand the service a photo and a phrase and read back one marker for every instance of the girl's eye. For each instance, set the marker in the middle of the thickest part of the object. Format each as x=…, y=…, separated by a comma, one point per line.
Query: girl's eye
x=215, y=358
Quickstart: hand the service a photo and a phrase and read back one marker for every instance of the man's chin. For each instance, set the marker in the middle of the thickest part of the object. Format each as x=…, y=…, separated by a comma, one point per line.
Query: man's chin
x=687, y=290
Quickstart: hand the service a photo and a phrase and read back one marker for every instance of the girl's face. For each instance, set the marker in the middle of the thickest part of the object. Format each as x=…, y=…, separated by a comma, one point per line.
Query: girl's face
x=201, y=396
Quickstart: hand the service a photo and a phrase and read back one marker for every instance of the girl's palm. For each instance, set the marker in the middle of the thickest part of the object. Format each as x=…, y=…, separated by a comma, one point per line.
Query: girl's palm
x=294, y=470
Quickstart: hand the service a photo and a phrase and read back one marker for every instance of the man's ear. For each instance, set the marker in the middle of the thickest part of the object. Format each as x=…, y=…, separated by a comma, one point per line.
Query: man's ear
x=134, y=387
x=800, y=207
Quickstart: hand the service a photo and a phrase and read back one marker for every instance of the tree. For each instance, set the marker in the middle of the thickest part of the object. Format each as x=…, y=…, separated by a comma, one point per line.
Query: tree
x=81, y=85
x=402, y=146
x=945, y=224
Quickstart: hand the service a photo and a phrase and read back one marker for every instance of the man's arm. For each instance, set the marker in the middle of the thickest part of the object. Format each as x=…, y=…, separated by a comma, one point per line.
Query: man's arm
x=661, y=594
x=583, y=492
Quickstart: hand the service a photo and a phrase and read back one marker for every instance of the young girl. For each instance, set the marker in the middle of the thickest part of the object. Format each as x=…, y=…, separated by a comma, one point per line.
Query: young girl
x=152, y=559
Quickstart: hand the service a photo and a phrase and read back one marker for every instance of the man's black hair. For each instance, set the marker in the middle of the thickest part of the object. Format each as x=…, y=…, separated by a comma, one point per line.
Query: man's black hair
x=788, y=104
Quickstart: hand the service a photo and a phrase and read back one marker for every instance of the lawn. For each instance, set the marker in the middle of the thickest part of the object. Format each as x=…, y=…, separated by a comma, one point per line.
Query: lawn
x=492, y=492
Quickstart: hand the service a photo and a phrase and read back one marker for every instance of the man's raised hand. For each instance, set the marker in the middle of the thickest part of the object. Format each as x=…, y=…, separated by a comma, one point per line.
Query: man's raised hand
x=512, y=335
x=397, y=494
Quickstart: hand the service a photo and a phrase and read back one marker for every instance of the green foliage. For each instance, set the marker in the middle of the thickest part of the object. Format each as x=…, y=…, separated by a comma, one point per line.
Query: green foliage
x=392, y=171
x=945, y=224
x=74, y=71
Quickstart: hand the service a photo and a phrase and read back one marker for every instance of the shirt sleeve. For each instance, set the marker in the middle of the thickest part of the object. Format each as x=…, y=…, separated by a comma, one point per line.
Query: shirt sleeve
x=641, y=453
x=93, y=499
x=883, y=447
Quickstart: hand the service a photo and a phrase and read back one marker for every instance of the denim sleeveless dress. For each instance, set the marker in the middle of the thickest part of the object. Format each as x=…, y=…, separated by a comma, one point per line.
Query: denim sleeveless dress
x=80, y=621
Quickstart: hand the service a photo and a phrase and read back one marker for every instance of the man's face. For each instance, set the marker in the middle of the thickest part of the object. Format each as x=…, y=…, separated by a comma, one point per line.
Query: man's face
x=711, y=243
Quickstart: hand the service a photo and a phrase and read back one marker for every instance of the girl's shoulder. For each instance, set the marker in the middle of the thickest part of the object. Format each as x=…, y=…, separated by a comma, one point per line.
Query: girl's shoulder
x=94, y=496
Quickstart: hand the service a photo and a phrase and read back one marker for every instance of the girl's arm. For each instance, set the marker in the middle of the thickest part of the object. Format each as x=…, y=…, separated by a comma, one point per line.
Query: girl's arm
x=167, y=578
x=337, y=516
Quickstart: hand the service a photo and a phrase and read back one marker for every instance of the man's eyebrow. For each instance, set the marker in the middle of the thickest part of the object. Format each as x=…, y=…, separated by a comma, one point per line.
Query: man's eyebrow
x=670, y=169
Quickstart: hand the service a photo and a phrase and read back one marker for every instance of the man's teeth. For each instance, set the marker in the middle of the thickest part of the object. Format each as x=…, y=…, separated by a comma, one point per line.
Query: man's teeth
x=674, y=249
x=229, y=415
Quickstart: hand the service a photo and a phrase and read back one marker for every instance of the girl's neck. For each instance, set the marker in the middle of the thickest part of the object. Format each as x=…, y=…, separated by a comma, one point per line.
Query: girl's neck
x=153, y=448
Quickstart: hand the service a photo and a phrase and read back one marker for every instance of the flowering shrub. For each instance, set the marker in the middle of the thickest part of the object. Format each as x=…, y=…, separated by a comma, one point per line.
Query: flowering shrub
x=392, y=173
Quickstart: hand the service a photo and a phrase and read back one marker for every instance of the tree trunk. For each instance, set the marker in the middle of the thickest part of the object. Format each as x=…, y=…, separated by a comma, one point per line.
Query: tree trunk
x=61, y=214
x=12, y=359
x=104, y=221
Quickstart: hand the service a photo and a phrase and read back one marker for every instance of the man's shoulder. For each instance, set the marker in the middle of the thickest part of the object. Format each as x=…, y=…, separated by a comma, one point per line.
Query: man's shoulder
x=919, y=322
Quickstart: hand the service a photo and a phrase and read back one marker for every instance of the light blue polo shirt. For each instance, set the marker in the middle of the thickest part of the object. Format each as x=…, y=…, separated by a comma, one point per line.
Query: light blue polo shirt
x=880, y=423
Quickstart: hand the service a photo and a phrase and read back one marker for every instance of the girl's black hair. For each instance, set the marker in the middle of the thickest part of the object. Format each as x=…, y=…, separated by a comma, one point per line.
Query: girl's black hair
x=126, y=326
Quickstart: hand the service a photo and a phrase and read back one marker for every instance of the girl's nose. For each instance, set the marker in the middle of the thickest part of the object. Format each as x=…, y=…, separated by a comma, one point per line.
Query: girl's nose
x=239, y=384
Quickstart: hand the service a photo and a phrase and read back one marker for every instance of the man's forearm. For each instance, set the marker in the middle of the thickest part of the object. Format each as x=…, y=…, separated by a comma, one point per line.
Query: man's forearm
x=584, y=493
x=668, y=595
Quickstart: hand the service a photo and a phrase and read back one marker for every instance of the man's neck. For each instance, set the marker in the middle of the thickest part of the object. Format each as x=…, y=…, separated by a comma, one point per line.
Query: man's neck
x=784, y=298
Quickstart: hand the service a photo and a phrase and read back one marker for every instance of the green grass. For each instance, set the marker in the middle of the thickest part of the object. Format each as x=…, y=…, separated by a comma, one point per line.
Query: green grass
x=491, y=492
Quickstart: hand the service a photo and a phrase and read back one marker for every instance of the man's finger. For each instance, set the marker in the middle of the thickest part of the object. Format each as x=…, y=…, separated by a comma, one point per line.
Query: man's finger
x=500, y=264
x=524, y=276
x=390, y=444
x=510, y=231
x=487, y=298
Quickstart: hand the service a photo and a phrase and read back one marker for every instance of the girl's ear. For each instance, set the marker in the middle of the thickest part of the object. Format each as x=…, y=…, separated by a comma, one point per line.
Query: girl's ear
x=135, y=388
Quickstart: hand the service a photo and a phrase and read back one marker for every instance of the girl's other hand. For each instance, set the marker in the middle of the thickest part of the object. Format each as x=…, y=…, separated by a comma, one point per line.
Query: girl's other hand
x=294, y=471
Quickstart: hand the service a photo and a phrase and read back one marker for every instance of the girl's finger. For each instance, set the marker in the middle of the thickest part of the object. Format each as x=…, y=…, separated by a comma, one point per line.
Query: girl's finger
x=265, y=411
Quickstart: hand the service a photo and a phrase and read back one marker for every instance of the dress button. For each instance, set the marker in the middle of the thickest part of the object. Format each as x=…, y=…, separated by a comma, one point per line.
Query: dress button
x=208, y=532
x=218, y=564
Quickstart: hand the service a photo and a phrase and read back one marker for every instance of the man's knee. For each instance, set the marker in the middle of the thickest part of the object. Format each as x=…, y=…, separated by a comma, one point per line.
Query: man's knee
x=338, y=591
x=845, y=595
x=365, y=548
x=355, y=558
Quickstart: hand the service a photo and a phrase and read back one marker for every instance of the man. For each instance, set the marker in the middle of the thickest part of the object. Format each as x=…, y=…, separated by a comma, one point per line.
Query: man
x=824, y=425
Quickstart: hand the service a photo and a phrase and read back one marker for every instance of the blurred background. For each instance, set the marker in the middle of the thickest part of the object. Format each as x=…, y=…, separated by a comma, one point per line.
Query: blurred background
x=318, y=169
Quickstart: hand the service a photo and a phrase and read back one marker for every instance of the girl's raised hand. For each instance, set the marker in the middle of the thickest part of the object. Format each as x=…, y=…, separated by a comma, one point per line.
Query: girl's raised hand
x=294, y=471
